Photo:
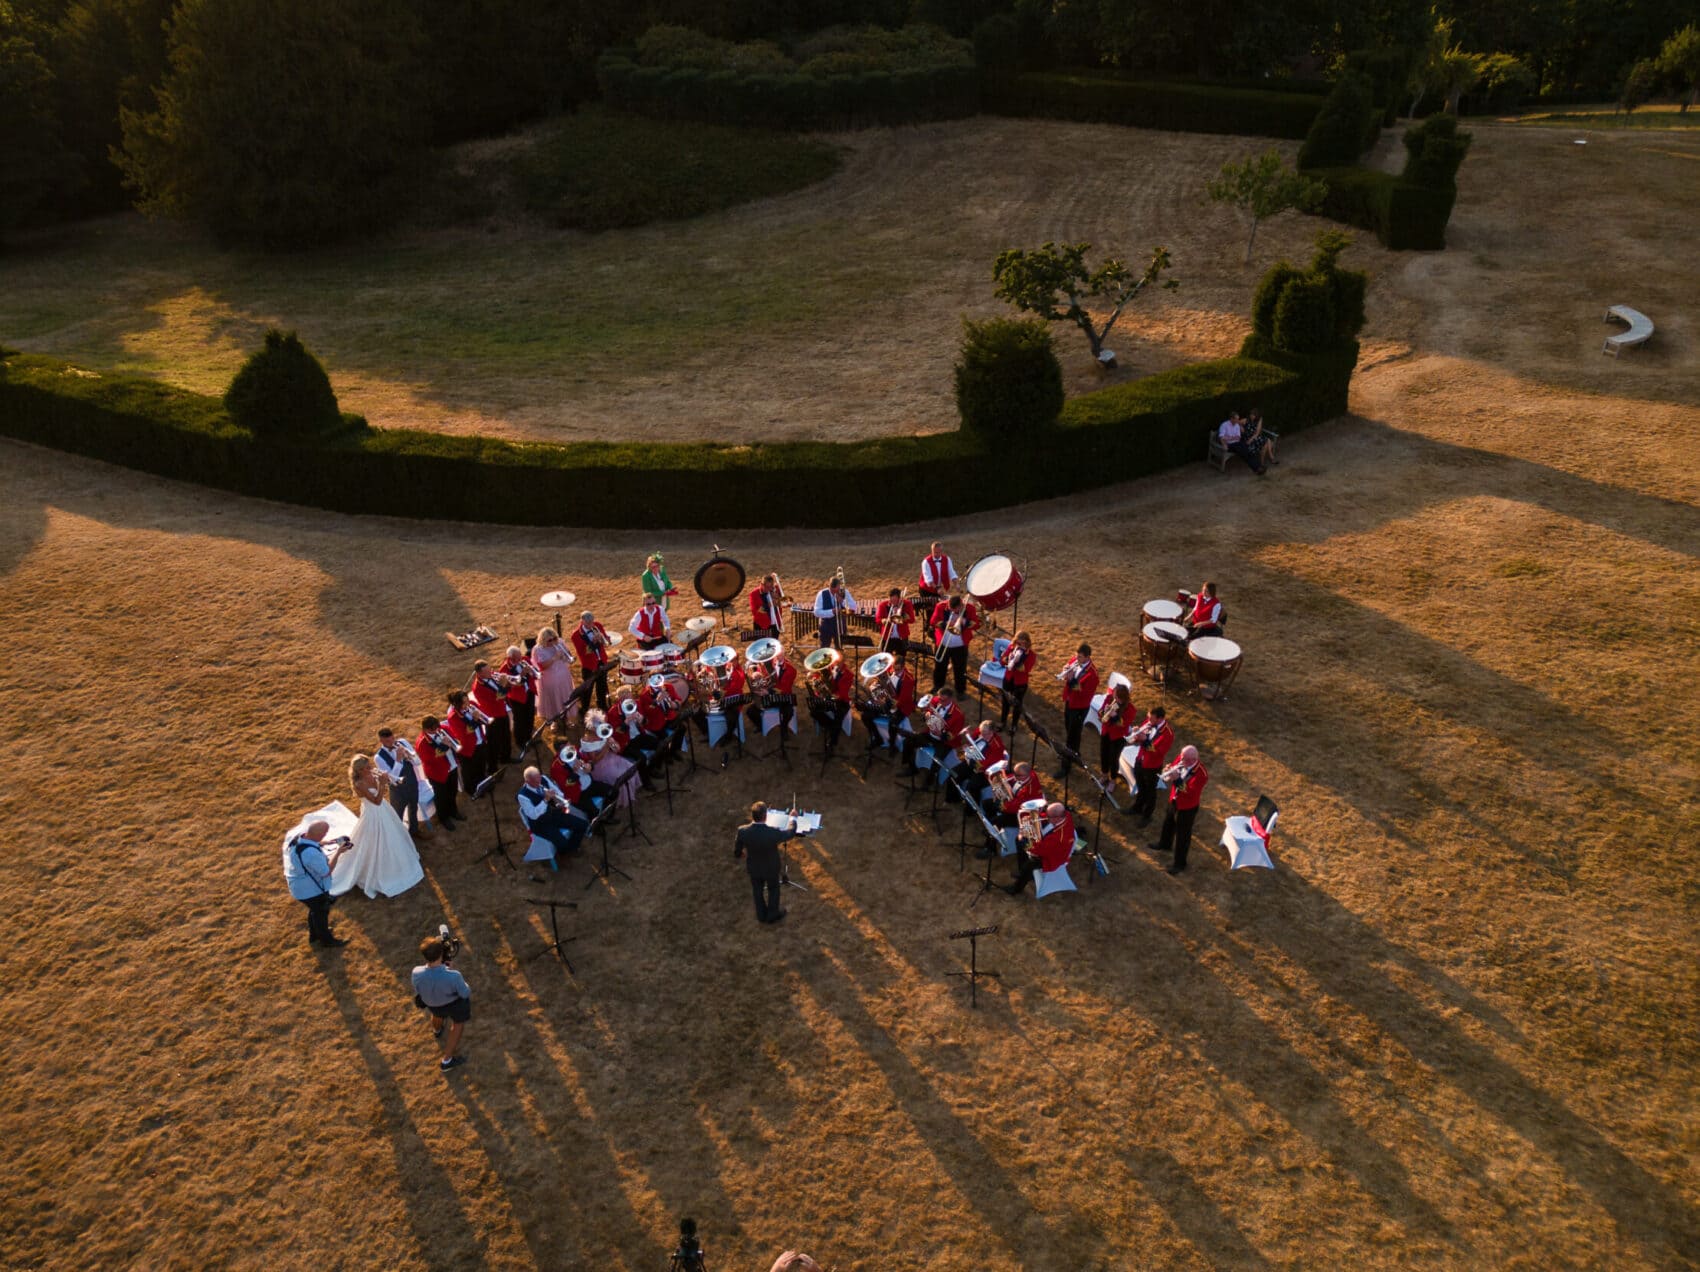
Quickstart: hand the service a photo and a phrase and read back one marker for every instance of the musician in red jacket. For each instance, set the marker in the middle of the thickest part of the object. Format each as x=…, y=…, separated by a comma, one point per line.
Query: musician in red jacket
x=953, y=624
x=1186, y=778
x=1203, y=613
x=436, y=750
x=895, y=615
x=987, y=738
x=767, y=607
x=465, y=724
x=733, y=683
x=569, y=771
x=1154, y=737
x=595, y=655
x=941, y=734
x=781, y=694
x=1115, y=723
x=1052, y=851
x=490, y=696
x=1080, y=685
x=938, y=575
x=1018, y=662
x=522, y=694
x=650, y=626
x=892, y=699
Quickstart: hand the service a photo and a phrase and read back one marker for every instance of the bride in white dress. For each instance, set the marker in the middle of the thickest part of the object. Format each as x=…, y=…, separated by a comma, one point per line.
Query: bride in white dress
x=382, y=860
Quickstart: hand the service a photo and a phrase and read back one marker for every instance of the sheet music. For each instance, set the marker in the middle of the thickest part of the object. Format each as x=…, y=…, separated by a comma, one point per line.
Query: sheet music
x=803, y=823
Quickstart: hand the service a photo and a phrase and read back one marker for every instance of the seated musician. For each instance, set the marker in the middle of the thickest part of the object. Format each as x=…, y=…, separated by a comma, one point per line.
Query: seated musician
x=544, y=809
x=631, y=742
x=1055, y=846
x=650, y=625
x=490, y=696
x=1115, y=722
x=464, y=723
x=606, y=762
x=895, y=615
x=1018, y=662
x=781, y=695
x=892, y=700
x=1024, y=785
x=590, y=644
x=660, y=714
x=954, y=623
x=579, y=787
x=1202, y=615
x=767, y=607
x=938, y=576
x=988, y=734
x=830, y=709
x=833, y=606
x=521, y=694
x=1231, y=432
x=733, y=684
x=943, y=733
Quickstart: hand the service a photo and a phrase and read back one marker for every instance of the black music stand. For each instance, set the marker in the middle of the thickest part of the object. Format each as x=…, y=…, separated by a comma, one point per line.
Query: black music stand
x=556, y=946
x=606, y=868
x=986, y=884
x=501, y=849
x=633, y=830
x=973, y=974
x=784, y=735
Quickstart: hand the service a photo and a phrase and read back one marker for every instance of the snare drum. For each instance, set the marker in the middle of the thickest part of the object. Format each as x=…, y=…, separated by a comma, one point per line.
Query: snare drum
x=1215, y=663
x=653, y=662
x=1161, y=611
x=672, y=657
x=631, y=667
x=1160, y=646
x=994, y=582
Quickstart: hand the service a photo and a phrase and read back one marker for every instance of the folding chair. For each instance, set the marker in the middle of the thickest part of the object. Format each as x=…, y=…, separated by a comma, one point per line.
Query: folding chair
x=1247, y=838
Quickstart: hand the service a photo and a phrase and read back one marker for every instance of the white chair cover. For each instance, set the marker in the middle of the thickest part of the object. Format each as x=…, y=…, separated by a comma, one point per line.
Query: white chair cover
x=1048, y=881
x=1245, y=847
x=540, y=849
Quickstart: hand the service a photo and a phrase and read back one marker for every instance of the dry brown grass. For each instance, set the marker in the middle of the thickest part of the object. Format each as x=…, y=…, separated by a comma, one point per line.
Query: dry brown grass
x=1456, y=1028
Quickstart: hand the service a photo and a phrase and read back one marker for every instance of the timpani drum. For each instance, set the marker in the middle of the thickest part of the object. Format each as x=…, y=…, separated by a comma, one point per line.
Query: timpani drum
x=1161, y=611
x=672, y=657
x=1215, y=663
x=631, y=666
x=994, y=582
x=1160, y=646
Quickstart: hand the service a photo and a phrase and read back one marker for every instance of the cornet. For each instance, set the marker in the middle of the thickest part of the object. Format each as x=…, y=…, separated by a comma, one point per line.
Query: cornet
x=1179, y=769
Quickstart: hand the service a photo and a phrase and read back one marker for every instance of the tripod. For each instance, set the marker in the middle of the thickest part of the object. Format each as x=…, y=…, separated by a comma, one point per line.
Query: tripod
x=501, y=849
x=555, y=927
x=973, y=974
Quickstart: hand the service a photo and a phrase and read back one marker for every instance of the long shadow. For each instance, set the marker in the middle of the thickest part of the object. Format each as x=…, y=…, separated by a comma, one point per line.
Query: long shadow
x=1199, y=1219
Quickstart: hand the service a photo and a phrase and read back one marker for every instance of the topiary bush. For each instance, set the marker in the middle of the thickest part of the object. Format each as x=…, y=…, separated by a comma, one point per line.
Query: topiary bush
x=1434, y=151
x=1304, y=315
x=1268, y=294
x=1008, y=379
x=1316, y=311
x=282, y=391
x=1341, y=130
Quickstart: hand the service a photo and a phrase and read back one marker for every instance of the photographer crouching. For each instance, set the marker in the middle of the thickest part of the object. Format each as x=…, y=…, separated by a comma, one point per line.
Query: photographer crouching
x=443, y=992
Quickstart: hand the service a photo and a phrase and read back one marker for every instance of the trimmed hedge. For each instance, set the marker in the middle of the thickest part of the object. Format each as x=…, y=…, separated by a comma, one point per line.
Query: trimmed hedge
x=1405, y=216
x=1107, y=99
x=1345, y=127
x=1116, y=434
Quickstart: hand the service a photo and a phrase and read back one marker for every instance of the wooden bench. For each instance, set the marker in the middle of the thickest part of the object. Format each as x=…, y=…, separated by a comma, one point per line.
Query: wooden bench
x=1219, y=454
x=1640, y=329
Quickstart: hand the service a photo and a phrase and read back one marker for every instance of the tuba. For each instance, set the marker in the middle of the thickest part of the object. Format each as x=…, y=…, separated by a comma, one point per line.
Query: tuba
x=997, y=776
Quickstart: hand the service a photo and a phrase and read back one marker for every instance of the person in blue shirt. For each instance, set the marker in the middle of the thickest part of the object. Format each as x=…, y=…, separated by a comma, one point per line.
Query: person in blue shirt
x=443, y=992
x=307, y=870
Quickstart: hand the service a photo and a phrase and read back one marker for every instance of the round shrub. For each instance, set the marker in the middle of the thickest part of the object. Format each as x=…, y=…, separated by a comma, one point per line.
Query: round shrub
x=1304, y=316
x=1268, y=295
x=282, y=391
x=1008, y=379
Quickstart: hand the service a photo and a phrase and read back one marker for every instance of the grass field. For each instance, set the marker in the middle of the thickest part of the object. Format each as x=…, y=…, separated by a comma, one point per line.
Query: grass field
x=1607, y=115
x=1456, y=1027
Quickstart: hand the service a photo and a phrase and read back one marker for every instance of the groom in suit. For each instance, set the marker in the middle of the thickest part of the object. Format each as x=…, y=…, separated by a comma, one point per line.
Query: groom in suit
x=404, y=782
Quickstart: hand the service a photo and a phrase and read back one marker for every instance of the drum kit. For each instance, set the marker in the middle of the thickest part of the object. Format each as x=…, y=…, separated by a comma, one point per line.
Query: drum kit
x=558, y=601
x=1165, y=647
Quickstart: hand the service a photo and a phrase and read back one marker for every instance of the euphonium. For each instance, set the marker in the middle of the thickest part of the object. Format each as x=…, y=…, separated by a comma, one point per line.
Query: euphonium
x=997, y=776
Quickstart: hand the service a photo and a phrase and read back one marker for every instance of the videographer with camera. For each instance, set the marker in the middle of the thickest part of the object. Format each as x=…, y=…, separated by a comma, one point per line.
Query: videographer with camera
x=307, y=870
x=443, y=992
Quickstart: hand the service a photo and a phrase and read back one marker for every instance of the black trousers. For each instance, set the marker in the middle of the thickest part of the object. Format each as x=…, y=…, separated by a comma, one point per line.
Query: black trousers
x=1026, y=866
x=895, y=644
x=870, y=722
x=319, y=917
x=1177, y=830
x=404, y=798
x=474, y=769
x=831, y=721
x=1009, y=703
x=444, y=795
x=1074, y=724
x=729, y=709
x=600, y=680
x=956, y=659
x=786, y=710
x=498, y=742
x=767, y=898
x=564, y=832
x=1110, y=754
x=524, y=716
x=761, y=631
x=913, y=742
x=1249, y=453
x=1145, y=801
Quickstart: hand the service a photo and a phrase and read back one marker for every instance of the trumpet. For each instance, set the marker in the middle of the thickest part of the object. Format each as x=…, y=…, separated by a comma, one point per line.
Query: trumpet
x=1180, y=770
x=1112, y=711
x=444, y=741
x=1143, y=734
x=473, y=715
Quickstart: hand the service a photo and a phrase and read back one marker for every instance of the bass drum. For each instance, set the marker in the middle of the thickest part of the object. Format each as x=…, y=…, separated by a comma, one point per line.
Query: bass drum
x=719, y=580
x=994, y=582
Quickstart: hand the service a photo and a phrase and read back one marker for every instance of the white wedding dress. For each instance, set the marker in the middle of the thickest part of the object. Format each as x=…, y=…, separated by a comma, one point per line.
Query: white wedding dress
x=383, y=860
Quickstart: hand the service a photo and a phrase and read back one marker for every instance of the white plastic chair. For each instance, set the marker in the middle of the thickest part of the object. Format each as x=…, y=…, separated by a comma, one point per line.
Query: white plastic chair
x=1247, y=838
x=1045, y=882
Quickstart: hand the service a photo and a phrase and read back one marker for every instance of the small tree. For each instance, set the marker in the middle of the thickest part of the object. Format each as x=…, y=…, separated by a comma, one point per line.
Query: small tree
x=1040, y=280
x=1679, y=58
x=282, y=391
x=1456, y=74
x=1264, y=187
x=1008, y=379
x=1638, y=85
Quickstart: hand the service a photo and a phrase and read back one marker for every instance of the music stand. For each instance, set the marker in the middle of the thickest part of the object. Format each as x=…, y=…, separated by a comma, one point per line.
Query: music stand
x=633, y=830
x=973, y=974
x=501, y=849
x=556, y=945
x=607, y=867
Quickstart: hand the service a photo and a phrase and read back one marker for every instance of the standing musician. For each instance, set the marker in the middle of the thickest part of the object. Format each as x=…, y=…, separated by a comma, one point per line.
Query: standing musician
x=543, y=809
x=436, y=749
x=650, y=625
x=489, y=694
x=1052, y=850
x=655, y=581
x=571, y=773
x=1154, y=737
x=1080, y=684
x=833, y=606
x=988, y=735
x=590, y=643
x=895, y=615
x=395, y=761
x=1018, y=662
x=1186, y=778
x=893, y=698
x=522, y=676
x=954, y=624
x=943, y=733
x=1202, y=615
x=767, y=607
x=780, y=694
x=1115, y=722
x=830, y=709
x=938, y=575
x=465, y=724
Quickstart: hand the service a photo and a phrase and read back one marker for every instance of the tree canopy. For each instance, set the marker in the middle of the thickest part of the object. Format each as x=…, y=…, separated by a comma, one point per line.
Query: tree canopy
x=1264, y=186
x=1054, y=282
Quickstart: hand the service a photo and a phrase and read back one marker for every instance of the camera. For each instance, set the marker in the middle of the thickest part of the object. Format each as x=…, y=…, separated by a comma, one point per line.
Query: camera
x=688, y=1256
x=451, y=942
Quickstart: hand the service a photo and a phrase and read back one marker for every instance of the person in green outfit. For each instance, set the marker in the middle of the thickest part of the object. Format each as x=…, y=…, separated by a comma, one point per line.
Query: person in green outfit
x=655, y=580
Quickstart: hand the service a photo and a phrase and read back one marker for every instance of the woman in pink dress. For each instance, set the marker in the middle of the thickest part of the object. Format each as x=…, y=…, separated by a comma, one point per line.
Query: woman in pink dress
x=554, y=659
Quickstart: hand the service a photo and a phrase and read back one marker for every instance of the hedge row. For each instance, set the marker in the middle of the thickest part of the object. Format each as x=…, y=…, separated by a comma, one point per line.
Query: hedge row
x=1113, y=435
x=1405, y=216
x=1105, y=99
x=792, y=100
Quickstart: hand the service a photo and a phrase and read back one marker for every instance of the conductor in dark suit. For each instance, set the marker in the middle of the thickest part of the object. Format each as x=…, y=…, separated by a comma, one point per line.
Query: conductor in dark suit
x=759, y=844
